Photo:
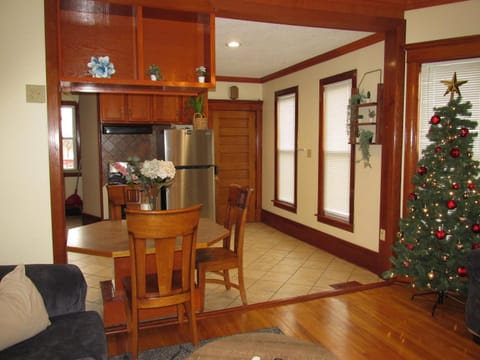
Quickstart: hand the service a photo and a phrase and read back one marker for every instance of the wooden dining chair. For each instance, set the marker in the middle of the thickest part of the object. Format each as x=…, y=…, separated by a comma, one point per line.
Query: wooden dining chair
x=229, y=256
x=170, y=280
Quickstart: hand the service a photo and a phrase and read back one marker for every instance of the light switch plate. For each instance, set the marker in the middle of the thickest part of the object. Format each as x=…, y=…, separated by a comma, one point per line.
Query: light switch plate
x=35, y=93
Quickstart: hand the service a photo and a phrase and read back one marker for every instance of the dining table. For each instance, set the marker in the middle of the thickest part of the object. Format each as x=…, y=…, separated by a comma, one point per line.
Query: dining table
x=109, y=238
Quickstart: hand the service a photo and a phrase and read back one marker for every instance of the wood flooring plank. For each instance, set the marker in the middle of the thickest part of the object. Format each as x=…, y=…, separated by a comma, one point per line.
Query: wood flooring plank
x=378, y=323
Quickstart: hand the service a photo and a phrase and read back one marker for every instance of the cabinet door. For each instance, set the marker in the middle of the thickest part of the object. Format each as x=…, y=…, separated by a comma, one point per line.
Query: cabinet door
x=113, y=108
x=139, y=108
x=167, y=108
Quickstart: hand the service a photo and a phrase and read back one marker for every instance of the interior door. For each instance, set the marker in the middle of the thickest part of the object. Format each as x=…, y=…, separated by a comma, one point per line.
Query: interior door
x=235, y=155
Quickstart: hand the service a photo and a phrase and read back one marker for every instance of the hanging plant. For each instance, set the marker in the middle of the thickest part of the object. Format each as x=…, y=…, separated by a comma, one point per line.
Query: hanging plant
x=365, y=139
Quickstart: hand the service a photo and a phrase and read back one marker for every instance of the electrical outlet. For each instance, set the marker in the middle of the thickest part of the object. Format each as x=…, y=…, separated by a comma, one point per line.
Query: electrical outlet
x=35, y=93
x=382, y=234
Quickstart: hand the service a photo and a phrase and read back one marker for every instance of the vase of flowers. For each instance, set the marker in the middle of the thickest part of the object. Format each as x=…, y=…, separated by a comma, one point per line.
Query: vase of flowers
x=152, y=175
x=201, y=71
x=154, y=72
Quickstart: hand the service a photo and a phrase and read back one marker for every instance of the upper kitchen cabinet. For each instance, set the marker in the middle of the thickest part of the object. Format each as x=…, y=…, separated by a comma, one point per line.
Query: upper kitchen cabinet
x=134, y=37
x=120, y=108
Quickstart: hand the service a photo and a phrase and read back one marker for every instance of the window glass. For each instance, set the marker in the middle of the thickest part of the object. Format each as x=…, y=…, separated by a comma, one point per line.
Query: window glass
x=69, y=137
x=432, y=93
x=285, y=152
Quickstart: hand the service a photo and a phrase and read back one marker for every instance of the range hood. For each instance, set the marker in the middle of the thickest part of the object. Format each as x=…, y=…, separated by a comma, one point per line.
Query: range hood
x=126, y=129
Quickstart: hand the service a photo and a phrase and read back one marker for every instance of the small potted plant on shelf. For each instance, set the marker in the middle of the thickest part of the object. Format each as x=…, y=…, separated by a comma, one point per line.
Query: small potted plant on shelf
x=365, y=139
x=371, y=115
x=154, y=72
x=201, y=72
x=199, y=119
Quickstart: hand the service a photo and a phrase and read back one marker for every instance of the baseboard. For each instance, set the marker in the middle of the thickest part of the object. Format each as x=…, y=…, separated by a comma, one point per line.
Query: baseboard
x=355, y=254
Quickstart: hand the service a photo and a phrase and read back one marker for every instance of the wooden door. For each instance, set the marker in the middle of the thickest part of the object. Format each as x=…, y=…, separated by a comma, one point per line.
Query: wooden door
x=236, y=155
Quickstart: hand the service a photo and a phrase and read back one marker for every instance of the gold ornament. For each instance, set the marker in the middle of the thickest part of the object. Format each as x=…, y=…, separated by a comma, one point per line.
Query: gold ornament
x=431, y=275
x=453, y=86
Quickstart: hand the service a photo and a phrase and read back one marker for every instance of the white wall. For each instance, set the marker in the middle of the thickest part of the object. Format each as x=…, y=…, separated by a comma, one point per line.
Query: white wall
x=366, y=216
x=443, y=22
x=246, y=91
x=25, y=216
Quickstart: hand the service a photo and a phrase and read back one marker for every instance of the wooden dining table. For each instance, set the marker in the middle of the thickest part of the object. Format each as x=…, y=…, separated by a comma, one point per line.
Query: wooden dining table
x=109, y=238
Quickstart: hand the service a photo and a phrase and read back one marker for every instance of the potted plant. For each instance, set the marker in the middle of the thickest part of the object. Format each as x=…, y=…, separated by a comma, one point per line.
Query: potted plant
x=201, y=71
x=199, y=119
x=371, y=114
x=365, y=139
x=154, y=72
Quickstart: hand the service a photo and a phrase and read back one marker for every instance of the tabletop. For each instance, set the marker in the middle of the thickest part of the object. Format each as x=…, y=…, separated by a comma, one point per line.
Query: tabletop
x=264, y=346
x=109, y=238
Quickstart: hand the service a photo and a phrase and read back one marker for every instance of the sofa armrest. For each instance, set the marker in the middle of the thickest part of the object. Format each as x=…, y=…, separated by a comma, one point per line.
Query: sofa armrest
x=62, y=286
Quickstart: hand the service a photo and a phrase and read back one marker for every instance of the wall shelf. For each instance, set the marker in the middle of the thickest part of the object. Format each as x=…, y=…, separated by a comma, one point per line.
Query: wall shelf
x=358, y=117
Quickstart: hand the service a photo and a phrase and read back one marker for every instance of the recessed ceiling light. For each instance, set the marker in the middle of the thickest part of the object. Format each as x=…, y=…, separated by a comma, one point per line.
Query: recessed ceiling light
x=233, y=44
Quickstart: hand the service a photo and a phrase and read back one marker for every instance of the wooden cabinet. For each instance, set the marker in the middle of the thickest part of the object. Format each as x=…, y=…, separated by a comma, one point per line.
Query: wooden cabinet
x=134, y=37
x=361, y=118
x=167, y=109
x=122, y=108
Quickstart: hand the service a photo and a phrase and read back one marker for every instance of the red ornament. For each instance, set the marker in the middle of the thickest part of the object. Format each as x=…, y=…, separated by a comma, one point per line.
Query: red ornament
x=475, y=246
x=464, y=132
x=471, y=186
x=422, y=170
x=412, y=196
x=476, y=228
x=462, y=271
x=440, y=234
x=410, y=246
x=455, y=186
x=406, y=263
x=455, y=152
x=451, y=204
x=437, y=149
x=435, y=119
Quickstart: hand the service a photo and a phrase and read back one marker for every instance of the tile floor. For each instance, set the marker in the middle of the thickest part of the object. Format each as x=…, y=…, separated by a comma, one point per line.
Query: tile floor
x=277, y=266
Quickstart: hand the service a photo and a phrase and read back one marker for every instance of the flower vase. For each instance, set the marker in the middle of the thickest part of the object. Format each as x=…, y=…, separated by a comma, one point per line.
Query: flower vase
x=201, y=79
x=152, y=193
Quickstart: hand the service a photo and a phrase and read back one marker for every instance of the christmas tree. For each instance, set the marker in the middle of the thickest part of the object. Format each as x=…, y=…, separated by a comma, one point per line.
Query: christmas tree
x=443, y=220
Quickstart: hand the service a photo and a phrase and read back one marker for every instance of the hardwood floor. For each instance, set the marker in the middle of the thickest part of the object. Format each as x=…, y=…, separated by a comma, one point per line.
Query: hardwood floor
x=375, y=323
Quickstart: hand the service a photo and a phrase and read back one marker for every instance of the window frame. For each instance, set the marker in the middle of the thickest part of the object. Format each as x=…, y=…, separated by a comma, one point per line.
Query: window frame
x=322, y=216
x=417, y=54
x=292, y=207
x=76, y=171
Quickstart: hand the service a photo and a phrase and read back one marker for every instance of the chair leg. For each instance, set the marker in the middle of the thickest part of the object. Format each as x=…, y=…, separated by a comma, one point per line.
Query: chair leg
x=241, y=286
x=132, y=328
x=201, y=286
x=226, y=279
x=192, y=320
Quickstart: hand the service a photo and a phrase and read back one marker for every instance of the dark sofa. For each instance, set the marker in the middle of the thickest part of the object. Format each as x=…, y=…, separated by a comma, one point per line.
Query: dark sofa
x=74, y=333
x=472, y=310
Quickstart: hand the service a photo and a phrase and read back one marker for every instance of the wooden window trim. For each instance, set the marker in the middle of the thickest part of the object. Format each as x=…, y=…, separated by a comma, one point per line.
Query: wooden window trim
x=278, y=203
x=417, y=54
x=321, y=215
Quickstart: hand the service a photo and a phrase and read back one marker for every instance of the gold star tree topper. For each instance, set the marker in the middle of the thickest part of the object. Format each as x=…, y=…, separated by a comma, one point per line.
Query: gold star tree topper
x=453, y=86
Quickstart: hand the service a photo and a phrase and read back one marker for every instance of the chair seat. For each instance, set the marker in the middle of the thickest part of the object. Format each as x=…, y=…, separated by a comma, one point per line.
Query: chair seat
x=216, y=258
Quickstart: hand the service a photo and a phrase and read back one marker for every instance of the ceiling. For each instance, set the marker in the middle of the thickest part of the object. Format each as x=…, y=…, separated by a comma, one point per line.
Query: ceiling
x=267, y=48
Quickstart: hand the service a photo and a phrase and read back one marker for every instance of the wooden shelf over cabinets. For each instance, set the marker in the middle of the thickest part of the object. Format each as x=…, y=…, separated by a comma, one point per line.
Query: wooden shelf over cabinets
x=134, y=37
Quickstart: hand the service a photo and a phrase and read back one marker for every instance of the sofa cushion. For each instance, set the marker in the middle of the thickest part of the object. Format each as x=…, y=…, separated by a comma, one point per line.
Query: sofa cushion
x=72, y=336
x=22, y=310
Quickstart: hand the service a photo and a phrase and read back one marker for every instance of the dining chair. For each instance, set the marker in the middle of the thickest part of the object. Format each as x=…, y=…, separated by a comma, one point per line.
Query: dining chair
x=229, y=256
x=170, y=280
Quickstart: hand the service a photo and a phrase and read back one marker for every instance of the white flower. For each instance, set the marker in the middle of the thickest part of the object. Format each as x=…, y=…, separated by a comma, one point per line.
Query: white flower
x=101, y=67
x=201, y=71
x=158, y=170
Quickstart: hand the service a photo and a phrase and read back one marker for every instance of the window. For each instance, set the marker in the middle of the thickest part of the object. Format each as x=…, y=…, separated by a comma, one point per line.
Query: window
x=286, y=104
x=70, y=138
x=432, y=93
x=336, y=155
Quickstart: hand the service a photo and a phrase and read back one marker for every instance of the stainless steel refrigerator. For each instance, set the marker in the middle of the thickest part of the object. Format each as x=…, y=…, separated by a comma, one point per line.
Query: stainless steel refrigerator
x=192, y=153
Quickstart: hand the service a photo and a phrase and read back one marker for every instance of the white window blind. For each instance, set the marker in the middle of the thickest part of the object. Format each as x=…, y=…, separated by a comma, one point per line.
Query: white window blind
x=286, y=148
x=336, y=149
x=432, y=94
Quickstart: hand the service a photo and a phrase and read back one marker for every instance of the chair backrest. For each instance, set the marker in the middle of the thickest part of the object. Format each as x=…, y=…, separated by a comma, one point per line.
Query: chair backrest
x=236, y=216
x=165, y=231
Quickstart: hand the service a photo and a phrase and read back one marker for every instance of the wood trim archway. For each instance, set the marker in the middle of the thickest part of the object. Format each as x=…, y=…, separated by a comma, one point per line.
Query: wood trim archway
x=287, y=13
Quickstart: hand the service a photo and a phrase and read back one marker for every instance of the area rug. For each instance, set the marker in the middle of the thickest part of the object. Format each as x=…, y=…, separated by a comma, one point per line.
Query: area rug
x=180, y=351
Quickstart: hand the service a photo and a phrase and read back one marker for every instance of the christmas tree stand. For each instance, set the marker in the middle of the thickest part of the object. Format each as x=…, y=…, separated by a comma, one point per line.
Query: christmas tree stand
x=441, y=296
